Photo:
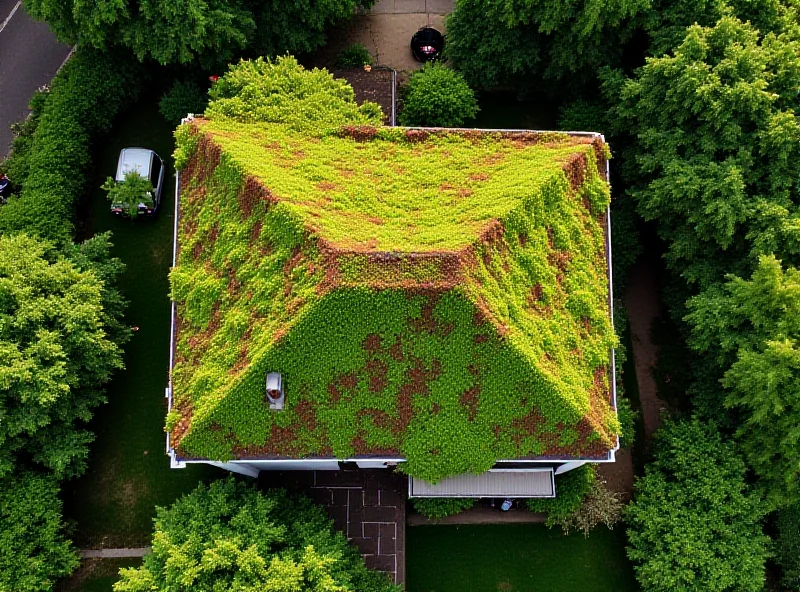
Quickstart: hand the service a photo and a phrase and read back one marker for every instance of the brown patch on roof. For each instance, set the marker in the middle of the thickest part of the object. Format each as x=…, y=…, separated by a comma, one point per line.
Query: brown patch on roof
x=575, y=169
x=470, y=399
x=184, y=408
x=372, y=343
x=378, y=372
x=327, y=186
x=380, y=418
x=255, y=232
x=428, y=322
x=559, y=259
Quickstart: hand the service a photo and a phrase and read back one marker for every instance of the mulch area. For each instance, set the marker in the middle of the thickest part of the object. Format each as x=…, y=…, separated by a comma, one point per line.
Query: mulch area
x=367, y=505
x=375, y=85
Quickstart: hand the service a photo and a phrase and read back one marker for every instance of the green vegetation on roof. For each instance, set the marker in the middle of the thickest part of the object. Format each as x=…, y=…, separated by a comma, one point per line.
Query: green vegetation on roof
x=438, y=297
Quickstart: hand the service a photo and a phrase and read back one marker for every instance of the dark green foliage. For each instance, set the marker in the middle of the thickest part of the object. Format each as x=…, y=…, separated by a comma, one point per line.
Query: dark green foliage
x=788, y=545
x=627, y=419
x=694, y=524
x=54, y=352
x=441, y=507
x=83, y=100
x=211, y=31
x=507, y=42
x=752, y=328
x=16, y=165
x=438, y=96
x=717, y=145
x=353, y=56
x=571, y=489
x=183, y=97
x=34, y=552
x=229, y=536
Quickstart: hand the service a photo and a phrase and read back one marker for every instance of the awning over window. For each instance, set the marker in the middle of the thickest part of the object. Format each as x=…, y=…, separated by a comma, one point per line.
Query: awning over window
x=494, y=483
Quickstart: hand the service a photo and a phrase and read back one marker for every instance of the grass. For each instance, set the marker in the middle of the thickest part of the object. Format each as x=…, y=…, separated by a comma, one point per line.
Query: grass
x=515, y=558
x=114, y=502
x=97, y=575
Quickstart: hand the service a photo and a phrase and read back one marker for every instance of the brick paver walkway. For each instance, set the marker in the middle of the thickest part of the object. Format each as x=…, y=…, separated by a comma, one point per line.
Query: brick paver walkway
x=368, y=506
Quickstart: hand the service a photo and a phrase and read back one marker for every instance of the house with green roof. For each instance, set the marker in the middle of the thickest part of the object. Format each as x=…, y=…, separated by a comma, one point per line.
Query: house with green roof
x=434, y=301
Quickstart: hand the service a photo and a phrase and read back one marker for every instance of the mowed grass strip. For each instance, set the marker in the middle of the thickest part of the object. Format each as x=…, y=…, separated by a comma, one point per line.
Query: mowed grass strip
x=128, y=475
x=515, y=558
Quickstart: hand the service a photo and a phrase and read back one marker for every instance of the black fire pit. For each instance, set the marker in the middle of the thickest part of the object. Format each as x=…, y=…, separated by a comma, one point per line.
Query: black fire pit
x=427, y=44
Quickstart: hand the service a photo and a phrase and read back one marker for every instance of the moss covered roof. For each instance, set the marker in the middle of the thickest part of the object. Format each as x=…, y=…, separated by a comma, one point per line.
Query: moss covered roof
x=439, y=296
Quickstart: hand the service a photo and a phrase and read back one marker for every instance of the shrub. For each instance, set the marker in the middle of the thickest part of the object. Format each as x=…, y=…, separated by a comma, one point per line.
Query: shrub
x=788, y=546
x=230, y=536
x=129, y=193
x=282, y=91
x=442, y=507
x=84, y=98
x=33, y=550
x=627, y=420
x=354, y=56
x=438, y=97
x=600, y=506
x=16, y=165
x=694, y=523
x=571, y=488
x=182, y=98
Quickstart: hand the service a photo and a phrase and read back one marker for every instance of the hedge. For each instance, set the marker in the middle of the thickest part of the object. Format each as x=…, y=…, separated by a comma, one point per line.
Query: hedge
x=85, y=96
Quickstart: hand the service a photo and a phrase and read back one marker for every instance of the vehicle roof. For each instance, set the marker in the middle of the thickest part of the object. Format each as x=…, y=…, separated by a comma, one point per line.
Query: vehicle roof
x=134, y=159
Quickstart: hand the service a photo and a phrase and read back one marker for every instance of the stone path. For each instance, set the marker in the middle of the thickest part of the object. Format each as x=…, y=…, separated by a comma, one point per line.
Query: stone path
x=644, y=306
x=386, y=30
x=367, y=505
x=114, y=553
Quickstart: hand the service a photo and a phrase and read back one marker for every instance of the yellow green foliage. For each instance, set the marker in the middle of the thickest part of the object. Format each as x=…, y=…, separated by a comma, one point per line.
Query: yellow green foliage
x=438, y=297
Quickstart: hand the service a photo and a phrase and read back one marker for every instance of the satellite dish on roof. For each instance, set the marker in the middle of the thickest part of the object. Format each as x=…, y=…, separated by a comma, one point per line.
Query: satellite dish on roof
x=427, y=44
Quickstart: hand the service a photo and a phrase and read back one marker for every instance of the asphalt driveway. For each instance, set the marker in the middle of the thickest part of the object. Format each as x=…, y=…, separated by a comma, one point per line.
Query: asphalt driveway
x=30, y=56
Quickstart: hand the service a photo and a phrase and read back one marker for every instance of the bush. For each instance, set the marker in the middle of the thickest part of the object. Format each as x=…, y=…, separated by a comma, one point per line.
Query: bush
x=627, y=420
x=282, y=91
x=433, y=507
x=33, y=550
x=571, y=488
x=16, y=164
x=354, y=56
x=600, y=506
x=84, y=98
x=694, y=523
x=182, y=98
x=438, y=97
x=230, y=536
x=788, y=546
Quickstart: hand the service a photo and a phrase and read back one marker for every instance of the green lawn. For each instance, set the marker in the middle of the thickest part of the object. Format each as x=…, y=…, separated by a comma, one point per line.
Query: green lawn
x=515, y=558
x=114, y=502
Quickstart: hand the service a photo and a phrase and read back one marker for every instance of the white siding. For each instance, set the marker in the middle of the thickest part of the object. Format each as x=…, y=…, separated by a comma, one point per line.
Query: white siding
x=495, y=483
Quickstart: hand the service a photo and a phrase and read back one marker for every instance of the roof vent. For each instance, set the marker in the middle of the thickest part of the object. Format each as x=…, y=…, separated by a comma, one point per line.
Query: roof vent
x=275, y=396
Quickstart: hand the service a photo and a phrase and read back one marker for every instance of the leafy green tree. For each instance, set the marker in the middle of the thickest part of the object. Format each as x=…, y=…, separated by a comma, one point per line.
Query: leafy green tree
x=716, y=145
x=55, y=352
x=129, y=193
x=230, y=536
x=212, y=31
x=34, y=552
x=752, y=328
x=694, y=525
x=438, y=97
x=282, y=91
x=504, y=42
x=571, y=489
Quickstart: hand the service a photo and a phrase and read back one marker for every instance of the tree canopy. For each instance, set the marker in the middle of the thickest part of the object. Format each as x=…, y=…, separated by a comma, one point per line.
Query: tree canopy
x=693, y=524
x=752, y=328
x=181, y=32
x=59, y=318
x=230, y=536
x=34, y=552
x=716, y=145
x=502, y=42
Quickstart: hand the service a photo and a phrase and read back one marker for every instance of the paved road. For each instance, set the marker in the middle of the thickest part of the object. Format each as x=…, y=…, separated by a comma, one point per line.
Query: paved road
x=29, y=57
